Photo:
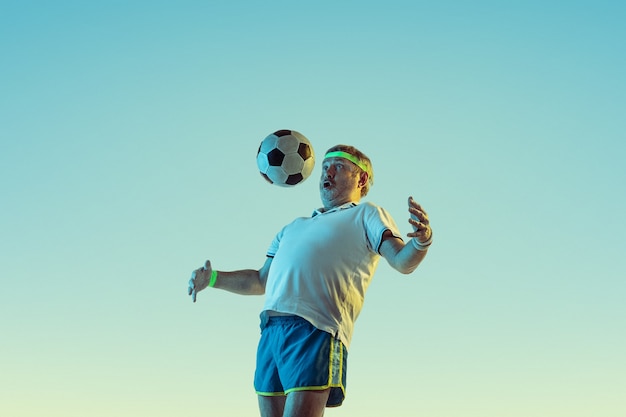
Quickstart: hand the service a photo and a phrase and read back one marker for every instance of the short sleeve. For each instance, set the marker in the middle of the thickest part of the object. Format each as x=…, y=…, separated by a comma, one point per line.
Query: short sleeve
x=376, y=221
x=273, y=248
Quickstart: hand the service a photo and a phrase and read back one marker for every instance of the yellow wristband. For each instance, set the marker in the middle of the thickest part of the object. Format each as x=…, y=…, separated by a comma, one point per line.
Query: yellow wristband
x=213, y=278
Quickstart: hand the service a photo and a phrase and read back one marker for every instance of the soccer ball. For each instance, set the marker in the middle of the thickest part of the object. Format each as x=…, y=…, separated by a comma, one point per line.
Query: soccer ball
x=285, y=158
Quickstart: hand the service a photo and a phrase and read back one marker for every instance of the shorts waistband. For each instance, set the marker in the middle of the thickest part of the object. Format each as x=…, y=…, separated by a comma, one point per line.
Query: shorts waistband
x=273, y=317
x=284, y=319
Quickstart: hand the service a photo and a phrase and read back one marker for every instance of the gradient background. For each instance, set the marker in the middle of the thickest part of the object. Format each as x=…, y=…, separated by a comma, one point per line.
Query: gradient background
x=129, y=132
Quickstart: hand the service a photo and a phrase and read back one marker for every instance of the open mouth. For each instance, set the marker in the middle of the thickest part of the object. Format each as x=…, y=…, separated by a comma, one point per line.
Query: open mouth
x=327, y=184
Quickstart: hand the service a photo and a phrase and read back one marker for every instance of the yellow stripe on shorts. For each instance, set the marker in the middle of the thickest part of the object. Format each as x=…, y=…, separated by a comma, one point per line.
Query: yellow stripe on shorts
x=335, y=371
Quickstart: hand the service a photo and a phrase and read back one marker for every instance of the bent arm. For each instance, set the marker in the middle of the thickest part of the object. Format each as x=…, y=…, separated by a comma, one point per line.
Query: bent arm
x=245, y=281
x=401, y=257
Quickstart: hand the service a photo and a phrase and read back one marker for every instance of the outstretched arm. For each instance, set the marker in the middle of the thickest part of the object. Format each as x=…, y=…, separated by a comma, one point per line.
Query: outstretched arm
x=406, y=257
x=245, y=281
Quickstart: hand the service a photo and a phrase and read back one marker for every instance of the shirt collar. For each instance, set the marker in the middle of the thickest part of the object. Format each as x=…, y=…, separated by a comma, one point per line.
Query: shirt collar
x=332, y=210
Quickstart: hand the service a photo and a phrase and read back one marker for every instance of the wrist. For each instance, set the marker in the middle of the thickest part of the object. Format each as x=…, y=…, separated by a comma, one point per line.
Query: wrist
x=422, y=246
x=213, y=278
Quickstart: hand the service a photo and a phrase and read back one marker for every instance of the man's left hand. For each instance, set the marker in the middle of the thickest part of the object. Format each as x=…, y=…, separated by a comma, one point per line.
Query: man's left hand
x=419, y=220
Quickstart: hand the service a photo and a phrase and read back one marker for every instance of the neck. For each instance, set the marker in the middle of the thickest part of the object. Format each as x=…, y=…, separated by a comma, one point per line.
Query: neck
x=329, y=205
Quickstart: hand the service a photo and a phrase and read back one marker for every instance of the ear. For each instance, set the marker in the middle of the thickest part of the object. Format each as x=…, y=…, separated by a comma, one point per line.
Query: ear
x=363, y=178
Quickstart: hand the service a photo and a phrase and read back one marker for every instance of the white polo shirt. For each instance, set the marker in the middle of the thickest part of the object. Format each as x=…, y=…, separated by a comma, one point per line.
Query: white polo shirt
x=323, y=265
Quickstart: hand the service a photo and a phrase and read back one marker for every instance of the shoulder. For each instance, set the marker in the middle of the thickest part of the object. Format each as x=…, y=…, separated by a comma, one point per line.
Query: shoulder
x=371, y=209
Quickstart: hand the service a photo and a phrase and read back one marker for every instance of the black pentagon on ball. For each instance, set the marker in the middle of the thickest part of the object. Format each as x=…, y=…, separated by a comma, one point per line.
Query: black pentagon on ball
x=283, y=132
x=305, y=151
x=267, y=178
x=294, y=179
x=275, y=157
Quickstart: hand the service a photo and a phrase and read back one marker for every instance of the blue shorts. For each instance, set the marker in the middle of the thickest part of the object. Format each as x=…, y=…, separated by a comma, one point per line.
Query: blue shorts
x=293, y=355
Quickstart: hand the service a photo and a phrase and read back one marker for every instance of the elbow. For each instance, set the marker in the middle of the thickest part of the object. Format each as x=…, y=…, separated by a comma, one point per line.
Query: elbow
x=404, y=269
x=407, y=270
x=408, y=266
x=256, y=289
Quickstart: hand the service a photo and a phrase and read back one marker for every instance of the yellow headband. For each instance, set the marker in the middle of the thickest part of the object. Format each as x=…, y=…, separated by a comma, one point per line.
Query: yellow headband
x=349, y=157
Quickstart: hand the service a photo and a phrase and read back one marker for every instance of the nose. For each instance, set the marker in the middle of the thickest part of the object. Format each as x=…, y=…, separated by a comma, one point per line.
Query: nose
x=329, y=171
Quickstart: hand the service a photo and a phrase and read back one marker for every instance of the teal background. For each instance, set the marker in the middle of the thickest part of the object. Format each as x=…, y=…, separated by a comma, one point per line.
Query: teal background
x=129, y=132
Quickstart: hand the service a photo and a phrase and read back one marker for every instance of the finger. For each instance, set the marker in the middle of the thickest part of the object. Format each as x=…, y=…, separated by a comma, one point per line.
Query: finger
x=419, y=218
x=422, y=232
x=415, y=204
x=193, y=295
x=192, y=286
x=422, y=235
x=418, y=214
x=207, y=266
x=414, y=224
x=417, y=225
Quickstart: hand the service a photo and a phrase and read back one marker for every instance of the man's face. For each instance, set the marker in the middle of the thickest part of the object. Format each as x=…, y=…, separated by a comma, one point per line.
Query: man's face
x=339, y=182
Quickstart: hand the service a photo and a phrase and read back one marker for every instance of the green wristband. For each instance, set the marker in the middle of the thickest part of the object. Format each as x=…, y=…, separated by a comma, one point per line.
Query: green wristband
x=213, y=278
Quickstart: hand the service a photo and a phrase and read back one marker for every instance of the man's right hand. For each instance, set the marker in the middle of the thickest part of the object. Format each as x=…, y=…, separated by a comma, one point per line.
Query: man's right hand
x=199, y=280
